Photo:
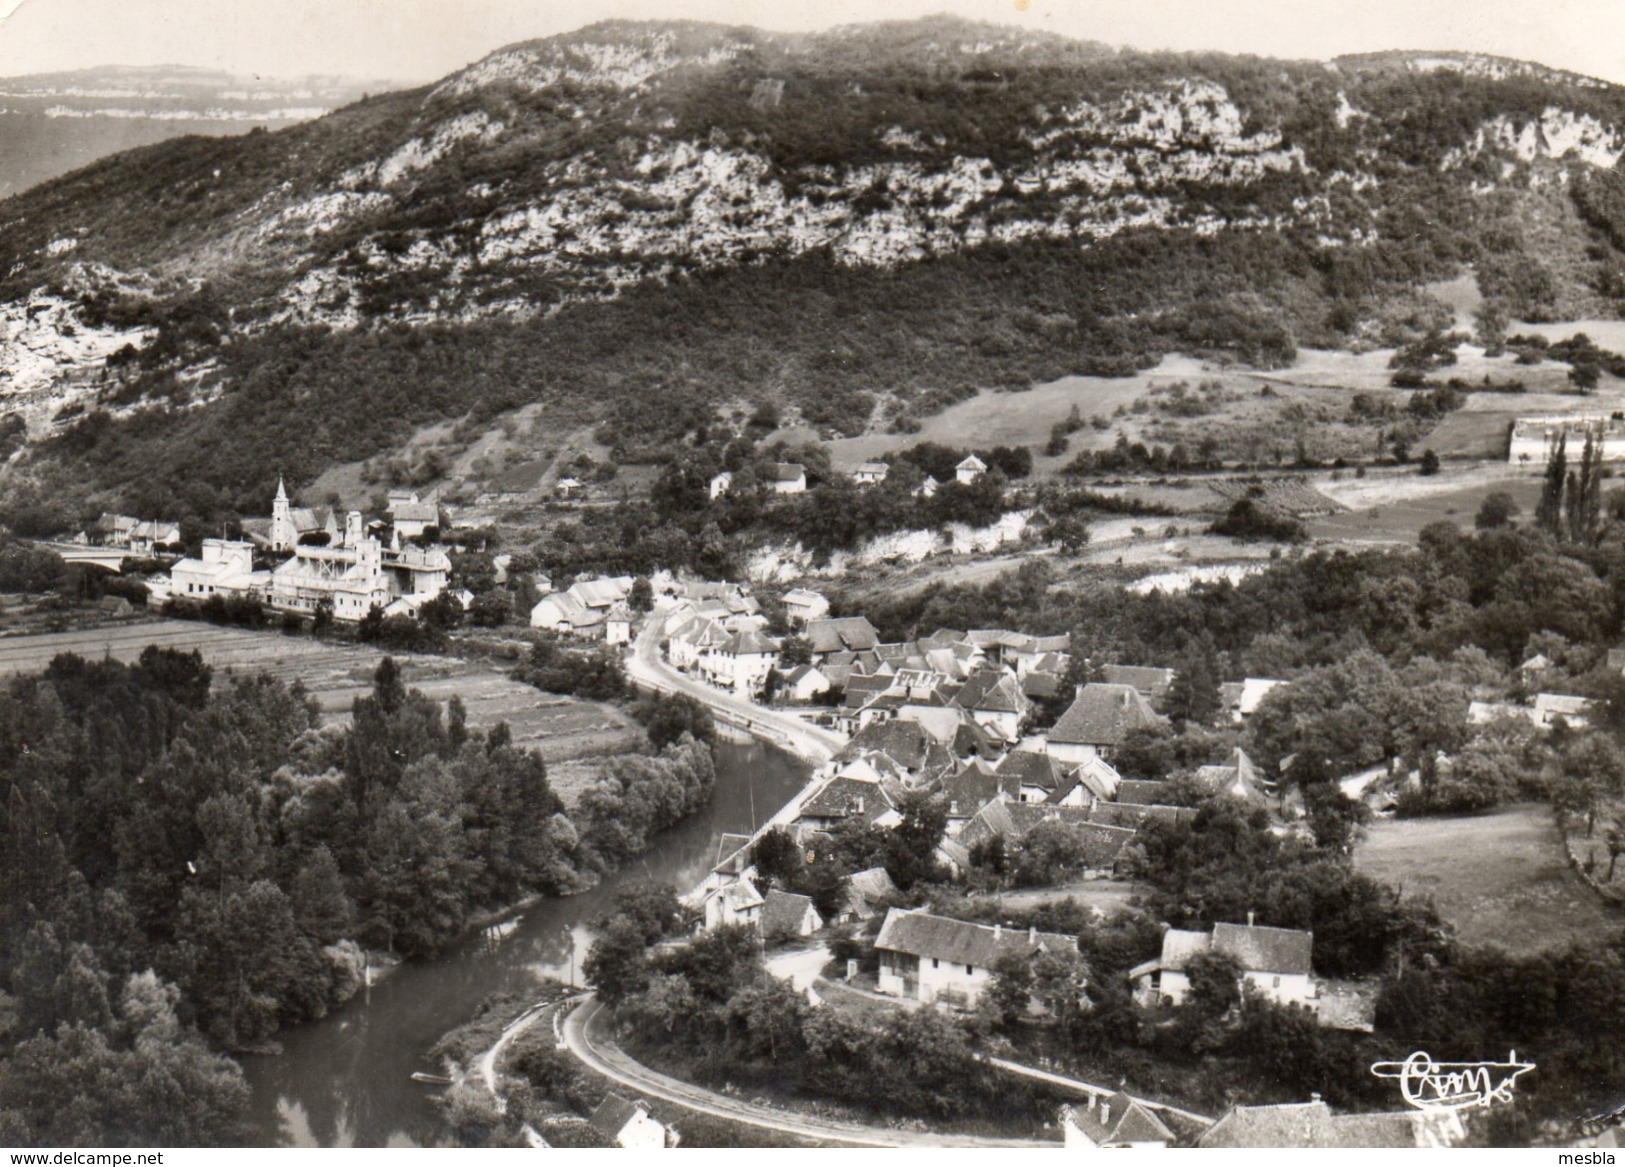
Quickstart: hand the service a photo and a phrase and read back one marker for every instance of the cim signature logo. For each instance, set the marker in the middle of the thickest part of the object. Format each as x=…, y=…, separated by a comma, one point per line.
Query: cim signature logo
x=1430, y=1085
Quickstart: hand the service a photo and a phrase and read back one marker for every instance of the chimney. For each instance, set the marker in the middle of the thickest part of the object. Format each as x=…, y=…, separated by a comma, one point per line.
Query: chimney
x=998, y=932
x=1032, y=934
x=352, y=529
x=1249, y=917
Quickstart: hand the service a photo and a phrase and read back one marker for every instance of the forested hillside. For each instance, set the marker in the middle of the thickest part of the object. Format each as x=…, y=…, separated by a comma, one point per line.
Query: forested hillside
x=644, y=224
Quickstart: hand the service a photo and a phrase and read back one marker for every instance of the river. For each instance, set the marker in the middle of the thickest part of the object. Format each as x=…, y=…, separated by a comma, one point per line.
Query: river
x=345, y=1081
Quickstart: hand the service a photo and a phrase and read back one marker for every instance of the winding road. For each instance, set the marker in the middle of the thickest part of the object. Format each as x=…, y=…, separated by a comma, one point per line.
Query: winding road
x=585, y=1032
x=646, y=669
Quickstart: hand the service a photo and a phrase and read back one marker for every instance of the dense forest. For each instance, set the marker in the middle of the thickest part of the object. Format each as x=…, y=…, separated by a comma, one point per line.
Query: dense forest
x=190, y=867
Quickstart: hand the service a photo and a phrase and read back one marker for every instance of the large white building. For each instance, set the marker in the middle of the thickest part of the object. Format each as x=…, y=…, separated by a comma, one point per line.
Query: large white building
x=225, y=567
x=1532, y=437
x=350, y=571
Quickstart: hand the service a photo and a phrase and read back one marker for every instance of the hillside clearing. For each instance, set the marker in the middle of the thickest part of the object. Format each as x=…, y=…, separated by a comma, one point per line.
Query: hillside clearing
x=1499, y=878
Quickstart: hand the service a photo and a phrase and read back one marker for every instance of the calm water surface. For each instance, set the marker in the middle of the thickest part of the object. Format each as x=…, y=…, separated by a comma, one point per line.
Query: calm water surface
x=346, y=1080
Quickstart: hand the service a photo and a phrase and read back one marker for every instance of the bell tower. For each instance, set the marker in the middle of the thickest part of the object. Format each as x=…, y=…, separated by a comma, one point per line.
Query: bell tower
x=283, y=536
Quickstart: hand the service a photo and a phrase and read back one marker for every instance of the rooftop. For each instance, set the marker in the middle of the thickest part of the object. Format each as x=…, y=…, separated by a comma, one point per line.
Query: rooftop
x=919, y=933
x=1103, y=715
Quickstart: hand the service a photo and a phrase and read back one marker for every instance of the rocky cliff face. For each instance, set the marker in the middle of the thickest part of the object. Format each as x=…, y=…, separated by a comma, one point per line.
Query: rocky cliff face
x=570, y=171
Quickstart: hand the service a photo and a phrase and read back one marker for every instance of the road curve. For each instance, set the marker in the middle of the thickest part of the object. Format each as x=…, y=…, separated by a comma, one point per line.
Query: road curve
x=584, y=1034
x=644, y=667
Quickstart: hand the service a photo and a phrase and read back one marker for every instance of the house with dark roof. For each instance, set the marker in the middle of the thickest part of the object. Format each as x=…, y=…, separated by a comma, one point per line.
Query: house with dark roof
x=1150, y=793
x=1114, y=1120
x=734, y=903
x=1102, y=843
x=841, y=634
x=741, y=663
x=1312, y=1125
x=1237, y=777
x=785, y=914
x=1275, y=960
x=934, y=958
x=865, y=895
x=630, y=1124
x=787, y=477
x=994, y=698
x=966, y=791
x=805, y=683
x=1098, y=720
x=1151, y=683
x=1136, y=814
x=912, y=746
x=849, y=796
x=1029, y=776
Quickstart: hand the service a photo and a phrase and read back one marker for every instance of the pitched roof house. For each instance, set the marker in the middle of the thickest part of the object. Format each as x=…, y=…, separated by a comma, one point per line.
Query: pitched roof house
x=787, y=477
x=1149, y=793
x=847, y=796
x=935, y=958
x=803, y=605
x=1275, y=960
x=1113, y=1121
x=1151, y=683
x=1098, y=720
x=970, y=469
x=787, y=914
x=865, y=893
x=737, y=902
x=630, y=1124
x=995, y=699
x=842, y=633
x=1237, y=777
x=1029, y=776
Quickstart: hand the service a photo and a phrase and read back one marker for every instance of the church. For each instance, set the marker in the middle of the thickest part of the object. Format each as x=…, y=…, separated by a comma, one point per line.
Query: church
x=346, y=568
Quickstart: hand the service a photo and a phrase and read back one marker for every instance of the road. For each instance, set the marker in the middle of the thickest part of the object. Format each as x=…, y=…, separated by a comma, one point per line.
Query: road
x=645, y=668
x=584, y=1032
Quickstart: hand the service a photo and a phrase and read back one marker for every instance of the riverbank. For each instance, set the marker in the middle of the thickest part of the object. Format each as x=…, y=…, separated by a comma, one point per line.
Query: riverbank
x=346, y=1080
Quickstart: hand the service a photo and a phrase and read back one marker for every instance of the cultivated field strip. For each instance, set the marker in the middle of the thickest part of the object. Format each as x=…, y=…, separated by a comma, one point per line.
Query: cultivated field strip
x=557, y=727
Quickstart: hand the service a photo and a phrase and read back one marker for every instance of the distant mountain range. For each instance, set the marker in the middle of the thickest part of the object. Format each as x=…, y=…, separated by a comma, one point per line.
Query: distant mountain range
x=51, y=123
x=645, y=224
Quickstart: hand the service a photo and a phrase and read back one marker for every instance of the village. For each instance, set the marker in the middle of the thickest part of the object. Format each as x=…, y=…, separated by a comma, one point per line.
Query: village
x=994, y=752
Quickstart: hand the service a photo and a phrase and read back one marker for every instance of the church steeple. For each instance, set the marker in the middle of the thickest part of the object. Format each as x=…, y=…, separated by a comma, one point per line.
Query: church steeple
x=283, y=536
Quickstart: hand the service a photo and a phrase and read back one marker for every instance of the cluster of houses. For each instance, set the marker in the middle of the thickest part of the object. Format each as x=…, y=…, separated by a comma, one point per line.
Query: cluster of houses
x=140, y=537
x=347, y=568
x=593, y=608
x=791, y=477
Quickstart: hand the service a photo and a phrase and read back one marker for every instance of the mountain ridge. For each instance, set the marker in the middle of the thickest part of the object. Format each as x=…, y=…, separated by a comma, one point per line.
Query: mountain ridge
x=1046, y=192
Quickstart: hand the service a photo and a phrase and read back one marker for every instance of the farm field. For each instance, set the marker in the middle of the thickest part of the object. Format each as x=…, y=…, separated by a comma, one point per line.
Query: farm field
x=559, y=728
x=1394, y=507
x=1499, y=878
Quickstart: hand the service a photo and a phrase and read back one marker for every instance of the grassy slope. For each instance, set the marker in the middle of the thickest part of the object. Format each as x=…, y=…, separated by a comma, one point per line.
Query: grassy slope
x=1500, y=878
